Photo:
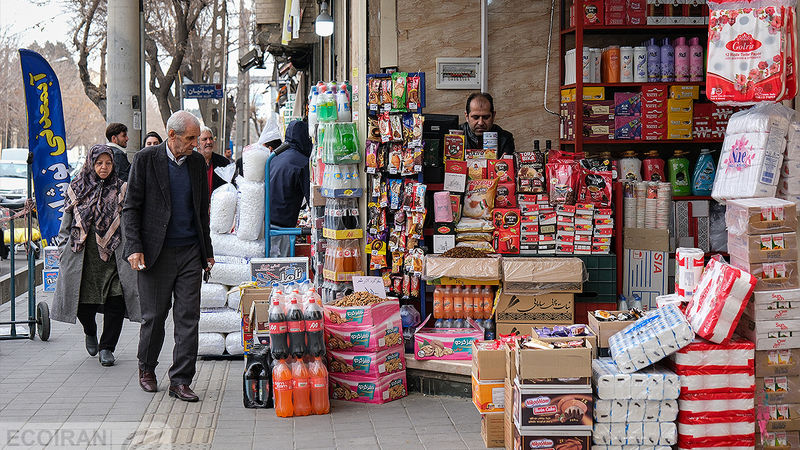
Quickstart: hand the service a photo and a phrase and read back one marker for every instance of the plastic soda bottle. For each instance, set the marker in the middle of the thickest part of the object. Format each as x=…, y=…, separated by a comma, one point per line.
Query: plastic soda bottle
x=438, y=302
x=277, y=330
x=488, y=302
x=447, y=303
x=296, y=327
x=469, y=304
x=301, y=400
x=313, y=112
x=315, y=341
x=458, y=303
x=343, y=105
x=318, y=381
x=282, y=385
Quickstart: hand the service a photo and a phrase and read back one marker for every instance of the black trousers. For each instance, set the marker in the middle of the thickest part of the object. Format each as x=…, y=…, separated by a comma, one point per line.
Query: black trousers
x=176, y=274
x=113, y=315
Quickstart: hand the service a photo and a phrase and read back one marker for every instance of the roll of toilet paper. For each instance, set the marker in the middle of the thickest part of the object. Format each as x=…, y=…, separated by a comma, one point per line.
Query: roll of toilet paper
x=688, y=269
x=730, y=403
x=635, y=410
x=736, y=354
x=704, y=383
x=639, y=434
x=652, y=383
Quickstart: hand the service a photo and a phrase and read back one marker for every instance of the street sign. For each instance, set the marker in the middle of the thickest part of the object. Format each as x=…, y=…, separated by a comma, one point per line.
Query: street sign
x=202, y=91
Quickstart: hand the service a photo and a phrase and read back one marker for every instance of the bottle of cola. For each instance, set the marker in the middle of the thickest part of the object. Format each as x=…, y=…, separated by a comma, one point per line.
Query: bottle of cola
x=278, y=329
x=295, y=326
x=315, y=341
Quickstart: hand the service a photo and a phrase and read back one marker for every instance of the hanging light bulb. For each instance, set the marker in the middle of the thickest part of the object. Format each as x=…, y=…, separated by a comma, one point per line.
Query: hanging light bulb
x=324, y=23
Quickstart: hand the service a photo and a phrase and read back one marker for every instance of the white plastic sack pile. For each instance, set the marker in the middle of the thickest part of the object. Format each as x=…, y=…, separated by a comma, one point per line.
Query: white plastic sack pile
x=219, y=320
x=233, y=343
x=210, y=344
x=751, y=47
x=752, y=153
x=231, y=245
x=253, y=159
x=233, y=298
x=223, y=209
x=230, y=271
x=251, y=210
x=213, y=295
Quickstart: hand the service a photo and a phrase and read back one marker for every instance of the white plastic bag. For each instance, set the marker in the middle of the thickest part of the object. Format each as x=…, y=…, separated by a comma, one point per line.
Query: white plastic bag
x=210, y=344
x=219, y=320
x=223, y=201
x=251, y=210
x=231, y=245
x=233, y=343
x=253, y=159
x=213, y=295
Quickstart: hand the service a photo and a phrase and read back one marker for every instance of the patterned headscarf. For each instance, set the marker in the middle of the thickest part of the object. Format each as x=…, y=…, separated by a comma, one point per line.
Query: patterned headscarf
x=98, y=202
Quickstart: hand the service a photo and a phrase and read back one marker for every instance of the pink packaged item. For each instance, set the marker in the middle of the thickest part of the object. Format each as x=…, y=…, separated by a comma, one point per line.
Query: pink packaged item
x=358, y=316
x=375, y=364
x=357, y=388
x=719, y=301
x=738, y=354
x=370, y=338
x=442, y=209
x=750, y=46
x=445, y=343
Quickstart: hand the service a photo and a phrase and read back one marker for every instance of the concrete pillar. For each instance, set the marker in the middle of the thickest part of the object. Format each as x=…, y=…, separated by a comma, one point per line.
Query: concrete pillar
x=123, y=62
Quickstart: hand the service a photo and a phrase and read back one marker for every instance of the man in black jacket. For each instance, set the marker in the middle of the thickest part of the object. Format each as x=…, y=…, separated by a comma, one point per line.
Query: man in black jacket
x=480, y=118
x=289, y=183
x=213, y=160
x=168, y=242
x=117, y=135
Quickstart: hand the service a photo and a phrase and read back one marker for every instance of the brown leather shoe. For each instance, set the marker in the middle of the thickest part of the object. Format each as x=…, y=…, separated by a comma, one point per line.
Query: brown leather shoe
x=183, y=392
x=147, y=381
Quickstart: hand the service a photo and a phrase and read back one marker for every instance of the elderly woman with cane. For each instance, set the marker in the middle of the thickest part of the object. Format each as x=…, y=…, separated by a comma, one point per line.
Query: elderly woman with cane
x=93, y=275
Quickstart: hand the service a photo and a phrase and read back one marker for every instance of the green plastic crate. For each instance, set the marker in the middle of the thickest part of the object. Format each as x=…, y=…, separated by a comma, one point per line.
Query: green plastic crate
x=602, y=283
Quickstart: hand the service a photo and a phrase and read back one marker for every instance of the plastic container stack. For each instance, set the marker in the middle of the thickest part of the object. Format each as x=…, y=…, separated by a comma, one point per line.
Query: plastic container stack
x=771, y=320
x=637, y=409
x=717, y=389
x=366, y=358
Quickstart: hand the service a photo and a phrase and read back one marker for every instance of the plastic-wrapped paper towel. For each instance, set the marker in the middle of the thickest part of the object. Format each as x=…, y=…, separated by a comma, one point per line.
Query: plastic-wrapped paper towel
x=233, y=343
x=635, y=433
x=736, y=354
x=230, y=273
x=219, y=320
x=658, y=334
x=635, y=410
x=253, y=160
x=632, y=447
x=210, y=344
x=230, y=244
x=719, y=301
x=652, y=383
x=234, y=296
x=705, y=383
x=722, y=403
x=250, y=226
x=213, y=295
x=688, y=269
x=717, y=431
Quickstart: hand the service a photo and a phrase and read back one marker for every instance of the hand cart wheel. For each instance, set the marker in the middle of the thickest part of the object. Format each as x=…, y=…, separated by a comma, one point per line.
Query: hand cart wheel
x=42, y=321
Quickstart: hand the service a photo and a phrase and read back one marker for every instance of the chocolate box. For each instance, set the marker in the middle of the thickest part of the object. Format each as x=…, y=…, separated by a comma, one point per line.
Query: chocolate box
x=549, y=438
x=552, y=406
x=445, y=343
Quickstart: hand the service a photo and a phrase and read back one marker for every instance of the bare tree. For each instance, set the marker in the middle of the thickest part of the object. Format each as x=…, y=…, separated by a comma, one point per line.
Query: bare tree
x=89, y=38
x=13, y=121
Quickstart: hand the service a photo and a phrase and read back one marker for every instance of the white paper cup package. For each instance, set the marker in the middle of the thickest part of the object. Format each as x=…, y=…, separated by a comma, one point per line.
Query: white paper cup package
x=213, y=295
x=233, y=343
x=717, y=305
x=210, y=344
x=219, y=320
x=231, y=245
x=250, y=226
x=658, y=334
x=635, y=410
x=253, y=160
x=635, y=433
x=652, y=383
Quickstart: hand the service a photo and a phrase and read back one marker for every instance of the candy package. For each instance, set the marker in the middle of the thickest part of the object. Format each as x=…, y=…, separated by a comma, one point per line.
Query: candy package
x=395, y=193
x=399, y=91
x=386, y=94
x=479, y=198
x=372, y=156
x=397, y=127
x=454, y=146
x=385, y=126
x=413, y=92
x=374, y=100
x=395, y=158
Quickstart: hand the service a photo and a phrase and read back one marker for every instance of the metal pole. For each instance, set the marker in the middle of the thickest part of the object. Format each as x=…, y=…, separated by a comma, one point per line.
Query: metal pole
x=31, y=256
x=142, y=80
x=484, y=46
x=13, y=280
x=124, y=68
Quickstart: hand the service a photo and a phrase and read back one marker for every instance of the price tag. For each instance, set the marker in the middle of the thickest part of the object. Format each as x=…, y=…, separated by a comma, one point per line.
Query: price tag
x=373, y=285
x=455, y=182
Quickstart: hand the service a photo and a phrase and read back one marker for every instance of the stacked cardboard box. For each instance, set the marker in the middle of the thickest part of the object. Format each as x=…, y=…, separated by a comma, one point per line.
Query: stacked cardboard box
x=762, y=238
x=488, y=392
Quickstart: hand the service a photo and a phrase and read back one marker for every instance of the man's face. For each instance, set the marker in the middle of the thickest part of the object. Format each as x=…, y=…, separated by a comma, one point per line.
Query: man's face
x=480, y=117
x=121, y=139
x=228, y=153
x=206, y=144
x=184, y=144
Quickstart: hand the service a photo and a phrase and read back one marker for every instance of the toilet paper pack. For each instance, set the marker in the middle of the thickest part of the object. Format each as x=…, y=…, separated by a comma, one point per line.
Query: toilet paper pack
x=631, y=447
x=716, y=431
x=652, y=383
x=720, y=298
x=704, y=383
x=635, y=410
x=736, y=354
x=722, y=403
x=635, y=433
x=659, y=333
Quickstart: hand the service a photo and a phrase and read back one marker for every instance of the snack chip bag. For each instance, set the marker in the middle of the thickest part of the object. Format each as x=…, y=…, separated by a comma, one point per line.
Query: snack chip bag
x=479, y=198
x=413, y=88
x=386, y=94
x=399, y=91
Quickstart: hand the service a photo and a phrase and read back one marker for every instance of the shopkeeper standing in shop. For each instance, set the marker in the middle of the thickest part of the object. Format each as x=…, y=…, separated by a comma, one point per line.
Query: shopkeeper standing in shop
x=480, y=118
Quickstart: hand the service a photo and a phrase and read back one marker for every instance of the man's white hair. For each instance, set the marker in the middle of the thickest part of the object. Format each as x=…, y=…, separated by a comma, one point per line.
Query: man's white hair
x=180, y=120
x=204, y=129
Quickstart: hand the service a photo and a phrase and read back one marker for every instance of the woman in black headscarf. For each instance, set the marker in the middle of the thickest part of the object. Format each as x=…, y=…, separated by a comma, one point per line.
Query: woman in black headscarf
x=93, y=275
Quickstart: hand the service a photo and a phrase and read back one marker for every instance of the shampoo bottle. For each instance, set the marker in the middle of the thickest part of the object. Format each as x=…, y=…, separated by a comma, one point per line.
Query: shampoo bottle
x=695, y=60
x=667, y=61
x=682, y=63
x=653, y=61
x=678, y=167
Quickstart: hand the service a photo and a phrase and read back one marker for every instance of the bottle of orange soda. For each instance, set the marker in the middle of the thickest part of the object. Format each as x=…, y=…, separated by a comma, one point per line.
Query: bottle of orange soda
x=301, y=400
x=318, y=381
x=282, y=386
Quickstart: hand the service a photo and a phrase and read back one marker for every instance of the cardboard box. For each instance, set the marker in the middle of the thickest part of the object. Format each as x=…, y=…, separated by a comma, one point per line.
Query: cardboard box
x=757, y=248
x=250, y=295
x=555, y=366
x=472, y=268
x=684, y=92
x=761, y=216
x=778, y=440
x=488, y=363
x=772, y=363
x=645, y=264
x=605, y=330
x=535, y=406
x=771, y=275
x=552, y=437
x=492, y=429
x=783, y=417
x=488, y=396
x=316, y=196
x=772, y=311
x=552, y=308
x=445, y=343
x=773, y=390
x=556, y=274
x=356, y=316
x=508, y=420
x=259, y=317
x=772, y=340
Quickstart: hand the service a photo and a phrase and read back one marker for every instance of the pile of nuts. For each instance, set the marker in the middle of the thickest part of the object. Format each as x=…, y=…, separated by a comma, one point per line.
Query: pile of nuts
x=358, y=299
x=463, y=252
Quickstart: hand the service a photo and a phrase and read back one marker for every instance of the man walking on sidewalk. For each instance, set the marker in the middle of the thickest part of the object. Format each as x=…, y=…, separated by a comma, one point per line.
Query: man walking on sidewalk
x=168, y=242
x=117, y=135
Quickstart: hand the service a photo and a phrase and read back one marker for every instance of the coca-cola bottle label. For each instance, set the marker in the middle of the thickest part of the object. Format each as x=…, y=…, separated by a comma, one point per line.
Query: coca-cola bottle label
x=313, y=325
x=296, y=327
x=277, y=328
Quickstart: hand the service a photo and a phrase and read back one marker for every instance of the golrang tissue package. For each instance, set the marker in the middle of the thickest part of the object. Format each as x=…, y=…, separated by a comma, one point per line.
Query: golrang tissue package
x=752, y=153
x=751, y=48
x=708, y=368
x=719, y=301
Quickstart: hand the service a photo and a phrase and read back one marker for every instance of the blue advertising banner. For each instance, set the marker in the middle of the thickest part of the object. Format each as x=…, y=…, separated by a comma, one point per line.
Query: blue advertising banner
x=46, y=140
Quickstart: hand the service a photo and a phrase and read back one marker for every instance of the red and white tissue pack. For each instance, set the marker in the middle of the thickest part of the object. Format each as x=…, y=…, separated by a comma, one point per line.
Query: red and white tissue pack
x=719, y=301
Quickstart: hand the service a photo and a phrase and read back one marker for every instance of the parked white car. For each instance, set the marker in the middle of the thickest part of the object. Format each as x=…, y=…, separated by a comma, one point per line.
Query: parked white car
x=13, y=183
